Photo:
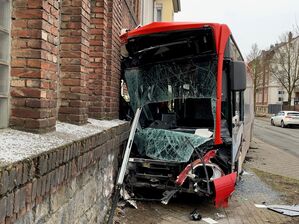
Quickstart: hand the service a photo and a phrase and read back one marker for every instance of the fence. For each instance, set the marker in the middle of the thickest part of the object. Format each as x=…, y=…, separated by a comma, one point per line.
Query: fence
x=274, y=108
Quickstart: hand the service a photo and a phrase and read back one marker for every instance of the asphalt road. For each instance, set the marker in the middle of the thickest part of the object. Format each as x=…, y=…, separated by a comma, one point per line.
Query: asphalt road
x=283, y=138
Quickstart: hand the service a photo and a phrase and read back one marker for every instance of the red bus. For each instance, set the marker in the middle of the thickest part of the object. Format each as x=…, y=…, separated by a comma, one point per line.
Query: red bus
x=193, y=109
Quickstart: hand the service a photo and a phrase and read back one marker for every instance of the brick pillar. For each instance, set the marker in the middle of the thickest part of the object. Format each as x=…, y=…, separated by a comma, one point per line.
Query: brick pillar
x=98, y=61
x=74, y=58
x=111, y=85
x=34, y=64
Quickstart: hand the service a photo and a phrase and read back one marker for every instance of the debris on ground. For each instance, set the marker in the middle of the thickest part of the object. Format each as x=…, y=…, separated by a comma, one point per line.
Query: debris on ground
x=260, y=205
x=209, y=220
x=121, y=204
x=246, y=173
x=127, y=198
x=220, y=216
x=195, y=216
x=289, y=210
x=167, y=196
x=120, y=212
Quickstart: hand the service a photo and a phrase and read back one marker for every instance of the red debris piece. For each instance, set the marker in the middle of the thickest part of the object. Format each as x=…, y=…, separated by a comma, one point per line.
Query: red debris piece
x=224, y=187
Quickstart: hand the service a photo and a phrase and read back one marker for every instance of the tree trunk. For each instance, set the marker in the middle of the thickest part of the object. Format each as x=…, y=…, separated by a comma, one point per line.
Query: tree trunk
x=254, y=100
x=289, y=100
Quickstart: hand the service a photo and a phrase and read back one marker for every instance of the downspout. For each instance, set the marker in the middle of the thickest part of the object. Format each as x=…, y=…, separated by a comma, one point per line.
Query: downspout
x=176, y=5
x=131, y=13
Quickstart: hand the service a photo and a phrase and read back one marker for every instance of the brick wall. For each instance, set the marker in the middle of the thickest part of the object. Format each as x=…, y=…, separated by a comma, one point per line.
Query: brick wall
x=98, y=57
x=65, y=60
x=108, y=18
x=72, y=183
x=64, y=65
x=112, y=84
x=34, y=64
x=74, y=58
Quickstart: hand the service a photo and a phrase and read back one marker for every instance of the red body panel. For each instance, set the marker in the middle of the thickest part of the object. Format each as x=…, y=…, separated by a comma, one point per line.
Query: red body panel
x=221, y=34
x=223, y=38
x=224, y=187
x=183, y=175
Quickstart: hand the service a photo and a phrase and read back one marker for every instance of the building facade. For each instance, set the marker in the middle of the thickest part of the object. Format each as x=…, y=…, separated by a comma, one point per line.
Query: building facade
x=271, y=95
x=159, y=10
x=60, y=136
x=59, y=60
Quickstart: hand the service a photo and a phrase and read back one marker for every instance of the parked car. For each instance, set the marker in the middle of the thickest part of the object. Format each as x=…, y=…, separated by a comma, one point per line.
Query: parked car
x=285, y=118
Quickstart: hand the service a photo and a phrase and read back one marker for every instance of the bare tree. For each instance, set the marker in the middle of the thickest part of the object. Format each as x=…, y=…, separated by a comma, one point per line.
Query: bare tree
x=255, y=65
x=285, y=63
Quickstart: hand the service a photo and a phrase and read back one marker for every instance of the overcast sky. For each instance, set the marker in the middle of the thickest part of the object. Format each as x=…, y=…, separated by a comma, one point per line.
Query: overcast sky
x=251, y=21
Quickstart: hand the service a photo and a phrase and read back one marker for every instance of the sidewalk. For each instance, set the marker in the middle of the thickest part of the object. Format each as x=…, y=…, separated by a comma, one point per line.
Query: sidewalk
x=249, y=191
x=241, y=208
x=272, y=160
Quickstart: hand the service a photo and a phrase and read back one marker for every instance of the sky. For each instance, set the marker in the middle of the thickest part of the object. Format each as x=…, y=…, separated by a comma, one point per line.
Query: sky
x=251, y=21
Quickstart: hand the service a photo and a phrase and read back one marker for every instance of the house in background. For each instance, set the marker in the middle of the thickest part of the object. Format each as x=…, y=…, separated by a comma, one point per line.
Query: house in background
x=159, y=10
x=271, y=96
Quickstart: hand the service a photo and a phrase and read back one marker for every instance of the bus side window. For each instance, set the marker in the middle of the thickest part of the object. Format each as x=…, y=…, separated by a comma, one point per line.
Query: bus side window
x=234, y=52
x=238, y=104
x=226, y=107
x=242, y=106
x=237, y=96
x=227, y=51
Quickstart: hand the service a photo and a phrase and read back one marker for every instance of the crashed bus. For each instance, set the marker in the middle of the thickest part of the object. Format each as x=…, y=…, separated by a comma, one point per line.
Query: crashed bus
x=192, y=99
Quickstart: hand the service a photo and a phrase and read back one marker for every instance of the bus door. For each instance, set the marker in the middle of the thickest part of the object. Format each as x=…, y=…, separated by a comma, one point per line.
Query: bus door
x=237, y=87
x=237, y=126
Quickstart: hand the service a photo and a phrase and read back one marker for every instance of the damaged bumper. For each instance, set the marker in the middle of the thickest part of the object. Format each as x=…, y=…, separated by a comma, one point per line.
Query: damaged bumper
x=181, y=177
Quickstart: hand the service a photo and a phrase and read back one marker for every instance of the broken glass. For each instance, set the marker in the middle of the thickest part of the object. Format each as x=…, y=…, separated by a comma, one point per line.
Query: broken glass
x=167, y=145
x=181, y=79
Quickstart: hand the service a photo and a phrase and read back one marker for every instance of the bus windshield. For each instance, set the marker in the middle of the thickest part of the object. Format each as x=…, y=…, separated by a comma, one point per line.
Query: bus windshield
x=179, y=79
x=172, y=77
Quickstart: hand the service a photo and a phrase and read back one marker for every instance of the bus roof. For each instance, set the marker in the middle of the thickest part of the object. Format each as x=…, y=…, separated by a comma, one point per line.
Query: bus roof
x=159, y=27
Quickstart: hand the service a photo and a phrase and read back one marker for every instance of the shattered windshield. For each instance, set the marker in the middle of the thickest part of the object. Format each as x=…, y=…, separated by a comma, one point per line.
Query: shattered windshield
x=177, y=98
x=167, y=145
x=179, y=79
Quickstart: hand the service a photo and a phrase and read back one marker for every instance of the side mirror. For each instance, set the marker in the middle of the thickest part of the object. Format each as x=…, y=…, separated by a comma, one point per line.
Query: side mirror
x=238, y=75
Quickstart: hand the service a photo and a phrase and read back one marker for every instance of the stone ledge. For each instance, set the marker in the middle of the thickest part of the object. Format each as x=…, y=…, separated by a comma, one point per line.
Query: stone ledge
x=39, y=165
x=18, y=145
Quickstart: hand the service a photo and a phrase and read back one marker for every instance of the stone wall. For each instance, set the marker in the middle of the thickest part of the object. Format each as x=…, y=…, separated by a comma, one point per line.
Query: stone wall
x=69, y=183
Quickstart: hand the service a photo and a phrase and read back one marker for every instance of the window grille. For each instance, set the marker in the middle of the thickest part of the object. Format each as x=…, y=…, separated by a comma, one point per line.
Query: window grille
x=158, y=12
